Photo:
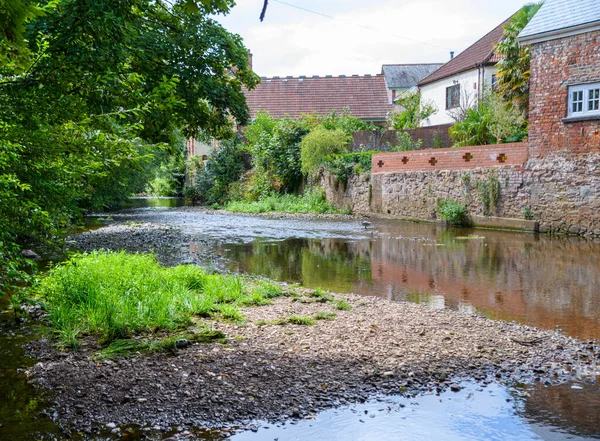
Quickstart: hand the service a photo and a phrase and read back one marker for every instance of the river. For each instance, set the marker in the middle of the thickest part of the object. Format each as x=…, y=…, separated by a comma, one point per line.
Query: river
x=537, y=280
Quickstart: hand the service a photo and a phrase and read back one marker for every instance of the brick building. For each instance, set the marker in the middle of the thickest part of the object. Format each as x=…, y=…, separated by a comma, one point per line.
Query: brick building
x=564, y=109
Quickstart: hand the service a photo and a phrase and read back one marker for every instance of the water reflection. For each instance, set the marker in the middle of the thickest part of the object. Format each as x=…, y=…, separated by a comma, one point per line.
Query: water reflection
x=474, y=413
x=568, y=408
x=543, y=281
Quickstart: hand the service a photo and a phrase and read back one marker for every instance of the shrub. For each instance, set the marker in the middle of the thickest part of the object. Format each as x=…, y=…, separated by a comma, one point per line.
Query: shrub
x=414, y=111
x=345, y=165
x=224, y=166
x=473, y=130
x=406, y=143
x=505, y=119
x=453, y=212
x=489, y=193
x=318, y=145
x=275, y=149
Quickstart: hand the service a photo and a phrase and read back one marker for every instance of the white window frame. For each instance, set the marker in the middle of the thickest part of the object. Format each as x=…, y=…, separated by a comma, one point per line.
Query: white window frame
x=588, y=94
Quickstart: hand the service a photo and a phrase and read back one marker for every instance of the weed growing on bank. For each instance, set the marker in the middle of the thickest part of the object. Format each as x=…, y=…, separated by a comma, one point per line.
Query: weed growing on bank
x=115, y=296
x=311, y=201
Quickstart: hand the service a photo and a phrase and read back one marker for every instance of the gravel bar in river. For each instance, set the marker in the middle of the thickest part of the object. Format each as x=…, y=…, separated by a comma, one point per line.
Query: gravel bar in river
x=277, y=372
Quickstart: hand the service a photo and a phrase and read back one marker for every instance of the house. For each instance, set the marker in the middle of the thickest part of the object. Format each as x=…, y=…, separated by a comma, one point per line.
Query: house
x=365, y=96
x=461, y=82
x=564, y=103
x=403, y=77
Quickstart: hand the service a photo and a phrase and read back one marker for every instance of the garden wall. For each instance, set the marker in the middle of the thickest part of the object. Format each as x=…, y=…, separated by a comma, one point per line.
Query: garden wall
x=561, y=192
x=382, y=140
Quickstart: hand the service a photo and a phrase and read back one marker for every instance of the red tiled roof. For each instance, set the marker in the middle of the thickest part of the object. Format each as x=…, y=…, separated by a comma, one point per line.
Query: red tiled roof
x=366, y=96
x=481, y=52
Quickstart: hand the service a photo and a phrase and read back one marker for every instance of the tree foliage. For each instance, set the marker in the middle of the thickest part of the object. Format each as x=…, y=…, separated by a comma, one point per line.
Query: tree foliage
x=513, y=69
x=413, y=110
x=318, y=145
x=275, y=149
x=90, y=107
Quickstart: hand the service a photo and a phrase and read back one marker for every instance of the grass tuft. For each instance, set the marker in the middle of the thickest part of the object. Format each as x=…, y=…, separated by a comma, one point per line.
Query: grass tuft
x=320, y=296
x=169, y=344
x=342, y=305
x=325, y=315
x=301, y=320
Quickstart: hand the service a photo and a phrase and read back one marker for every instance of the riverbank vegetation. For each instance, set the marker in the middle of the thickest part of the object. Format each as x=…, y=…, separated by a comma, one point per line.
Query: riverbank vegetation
x=117, y=296
x=96, y=105
x=275, y=165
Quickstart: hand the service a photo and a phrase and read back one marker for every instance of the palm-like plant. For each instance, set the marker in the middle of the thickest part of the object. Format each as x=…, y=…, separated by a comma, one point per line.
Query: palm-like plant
x=513, y=70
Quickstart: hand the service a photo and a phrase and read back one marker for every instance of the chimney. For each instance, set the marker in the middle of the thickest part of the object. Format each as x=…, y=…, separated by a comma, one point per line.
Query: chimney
x=249, y=60
x=451, y=55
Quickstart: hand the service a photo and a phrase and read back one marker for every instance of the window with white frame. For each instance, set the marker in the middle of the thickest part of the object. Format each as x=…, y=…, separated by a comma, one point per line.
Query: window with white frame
x=584, y=100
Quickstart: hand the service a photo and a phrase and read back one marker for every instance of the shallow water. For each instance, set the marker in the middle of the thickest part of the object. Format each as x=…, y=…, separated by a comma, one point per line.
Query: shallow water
x=474, y=413
x=537, y=280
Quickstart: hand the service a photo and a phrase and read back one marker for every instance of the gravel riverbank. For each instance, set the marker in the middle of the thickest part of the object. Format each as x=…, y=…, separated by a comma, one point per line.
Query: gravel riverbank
x=274, y=372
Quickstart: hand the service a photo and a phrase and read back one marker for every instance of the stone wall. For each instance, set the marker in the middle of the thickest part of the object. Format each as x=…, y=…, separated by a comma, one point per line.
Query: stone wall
x=353, y=195
x=562, y=192
x=555, y=65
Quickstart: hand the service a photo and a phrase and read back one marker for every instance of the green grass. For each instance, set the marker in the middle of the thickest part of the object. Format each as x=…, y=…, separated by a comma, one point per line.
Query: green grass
x=320, y=296
x=325, y=315
x=291, y=320
x=342, y=305
x=312, y=201
x=115, y=296
x=168, y=344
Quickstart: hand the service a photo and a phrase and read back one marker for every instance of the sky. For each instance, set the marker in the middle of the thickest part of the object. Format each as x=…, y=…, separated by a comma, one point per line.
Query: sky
x=358, y=36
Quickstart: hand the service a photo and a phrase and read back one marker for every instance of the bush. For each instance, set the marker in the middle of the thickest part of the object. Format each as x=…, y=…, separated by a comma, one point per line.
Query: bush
x=495, y=121
x=473, y=130
x=345, y=165
x=224, y=166
x=312, y=201
x=275, y=149
x=413, y=112
x=318, y=145
x=405, y=143
x=453, y=212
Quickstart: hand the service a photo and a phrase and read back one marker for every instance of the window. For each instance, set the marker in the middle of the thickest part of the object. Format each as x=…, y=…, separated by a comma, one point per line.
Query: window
x=494, y=82
x=584, y=100
x=453, y=96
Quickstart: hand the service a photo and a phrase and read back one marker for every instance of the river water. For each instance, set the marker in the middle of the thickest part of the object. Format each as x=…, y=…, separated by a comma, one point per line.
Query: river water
x=537, y=280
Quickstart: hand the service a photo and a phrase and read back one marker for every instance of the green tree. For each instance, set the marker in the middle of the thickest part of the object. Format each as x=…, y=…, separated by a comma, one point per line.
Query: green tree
x=90, y=110
x=275, y=149
x=513, y=69
x=318, y=145
x=413, y=110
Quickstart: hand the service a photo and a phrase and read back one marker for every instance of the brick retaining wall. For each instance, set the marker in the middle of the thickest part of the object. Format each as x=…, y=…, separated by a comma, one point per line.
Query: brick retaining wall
x=463, y=158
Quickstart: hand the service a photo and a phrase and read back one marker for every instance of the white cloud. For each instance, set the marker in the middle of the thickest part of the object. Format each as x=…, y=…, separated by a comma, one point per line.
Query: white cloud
x=295, y=42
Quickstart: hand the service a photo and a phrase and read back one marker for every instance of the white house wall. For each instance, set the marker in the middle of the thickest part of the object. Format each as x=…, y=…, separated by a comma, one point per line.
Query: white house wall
x=436, y=93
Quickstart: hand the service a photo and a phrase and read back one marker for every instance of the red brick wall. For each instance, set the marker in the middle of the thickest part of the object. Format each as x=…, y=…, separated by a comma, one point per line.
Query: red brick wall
x=383, y=139
x=555, y=65
x=514, y=154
